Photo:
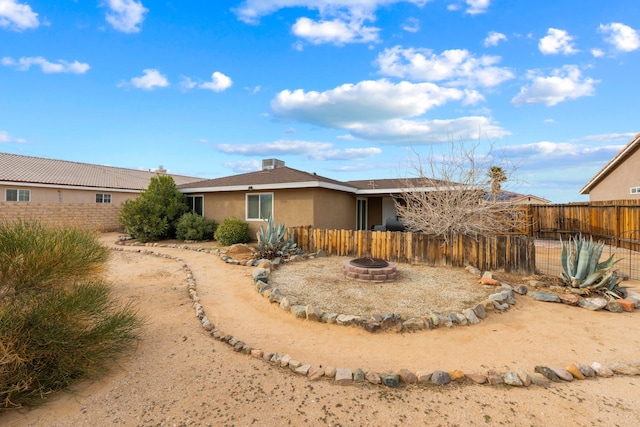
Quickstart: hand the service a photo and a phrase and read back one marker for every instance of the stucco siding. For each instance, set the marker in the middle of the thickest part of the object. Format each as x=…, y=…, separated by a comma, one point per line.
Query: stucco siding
x=334, y=210
x=64, y=195
x=617, y=184
x=96, y=216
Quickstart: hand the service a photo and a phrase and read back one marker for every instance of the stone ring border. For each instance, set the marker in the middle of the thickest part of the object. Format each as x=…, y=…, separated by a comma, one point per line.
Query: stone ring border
x=345, y=376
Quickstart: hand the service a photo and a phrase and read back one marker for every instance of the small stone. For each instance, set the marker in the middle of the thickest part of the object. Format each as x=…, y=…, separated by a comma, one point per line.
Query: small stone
x=480, y=311
x=423, y=376
x=454, y=319
x=627, y=305
x=407, y=376
x=471, y=316
x=575, y=371
x=512, y=379
x=343, y=376
x=390, y=380
x=284, y=360
x=257, y=354
x=373, y=377
x=371, y=326
x=329, y=317
x=500, y=307
x=435, y=319
x=593, y=303
x=601, y=371
x=440, y=378
x=285, y=304
x=477, y=378
x=569, y=299
x=614, y=307
x=494, y=378
x=413, y=324
x=313, y=313
x=261, y=274
x=521, y=290
x=473, y=270
x=302, y=369
x=462, y=320
x=524, y=377
x=456, y=375
x=547, y=373
x=624, y=369
x=294, y=364
x=544, y=296
x=498, y=297
x=358, y=376
x=345, y=319
x=299, y=311
x=539, y=379
x=587, y=371
x=489, y=275
x=490, y=282
x=445, y=321
x=536, y=284
x=330, y=372
x=563, y=374
x=389, y=320
x=315, y=373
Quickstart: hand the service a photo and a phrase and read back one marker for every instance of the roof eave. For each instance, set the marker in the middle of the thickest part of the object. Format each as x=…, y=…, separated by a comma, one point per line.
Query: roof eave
x=612, y=164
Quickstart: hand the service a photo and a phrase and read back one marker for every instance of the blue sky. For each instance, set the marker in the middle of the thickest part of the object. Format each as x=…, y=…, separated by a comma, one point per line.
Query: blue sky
x=347, y=89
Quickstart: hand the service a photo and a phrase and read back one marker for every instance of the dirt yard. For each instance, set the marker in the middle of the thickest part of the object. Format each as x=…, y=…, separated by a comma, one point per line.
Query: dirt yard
x=180, y=376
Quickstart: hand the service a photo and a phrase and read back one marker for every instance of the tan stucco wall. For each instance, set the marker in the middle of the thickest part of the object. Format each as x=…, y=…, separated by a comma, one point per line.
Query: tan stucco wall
x=616, y=185
x=317, y=207
x=94, y=216
x=53, y=195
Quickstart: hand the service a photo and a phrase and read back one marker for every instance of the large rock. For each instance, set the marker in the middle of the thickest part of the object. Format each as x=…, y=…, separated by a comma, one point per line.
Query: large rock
x=569, y=299
x=593, y=303
x=544, y=296
x=471, y=316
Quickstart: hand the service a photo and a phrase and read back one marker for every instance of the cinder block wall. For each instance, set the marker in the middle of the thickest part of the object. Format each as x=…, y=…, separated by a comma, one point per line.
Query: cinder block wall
x=90, y=216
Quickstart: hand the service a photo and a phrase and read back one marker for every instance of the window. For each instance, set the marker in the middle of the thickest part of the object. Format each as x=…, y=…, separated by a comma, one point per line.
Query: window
x=196, y=204
x=103, y=198
x=17, y=195
x=259, y=206
x=361, y=214
x=635, y=190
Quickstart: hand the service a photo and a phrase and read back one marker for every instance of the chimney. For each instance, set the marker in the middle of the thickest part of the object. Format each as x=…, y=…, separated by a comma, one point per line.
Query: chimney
x=161, y=170
x=268, y=164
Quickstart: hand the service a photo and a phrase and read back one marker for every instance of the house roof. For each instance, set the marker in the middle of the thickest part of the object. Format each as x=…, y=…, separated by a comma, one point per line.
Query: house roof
x=394, y=185
x=27, y=170
x=267, y=179
x=617, y=160
x=510, y=196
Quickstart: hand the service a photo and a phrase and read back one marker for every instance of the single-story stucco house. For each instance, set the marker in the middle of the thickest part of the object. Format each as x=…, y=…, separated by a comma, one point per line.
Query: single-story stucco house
x=619, y=178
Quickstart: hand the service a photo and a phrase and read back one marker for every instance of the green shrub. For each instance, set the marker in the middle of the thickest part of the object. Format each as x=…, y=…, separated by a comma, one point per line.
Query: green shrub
x=233, y=230
x=192, y=226
x=155, y=213
x=51, y=339
x=34, y=257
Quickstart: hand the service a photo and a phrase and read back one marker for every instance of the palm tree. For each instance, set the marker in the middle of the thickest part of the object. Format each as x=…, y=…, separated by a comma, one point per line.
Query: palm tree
x=496, y=177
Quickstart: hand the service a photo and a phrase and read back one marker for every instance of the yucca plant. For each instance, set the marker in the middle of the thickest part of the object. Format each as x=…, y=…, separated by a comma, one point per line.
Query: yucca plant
x=273, y=243
x=582, y=269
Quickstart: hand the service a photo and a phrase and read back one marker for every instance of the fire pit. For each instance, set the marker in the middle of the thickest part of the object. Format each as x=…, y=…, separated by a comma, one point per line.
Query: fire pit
x=370, y=270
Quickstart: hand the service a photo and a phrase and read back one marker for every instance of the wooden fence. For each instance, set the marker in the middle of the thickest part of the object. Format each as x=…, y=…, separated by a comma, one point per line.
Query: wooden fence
x=617, y=223
x=511, y=253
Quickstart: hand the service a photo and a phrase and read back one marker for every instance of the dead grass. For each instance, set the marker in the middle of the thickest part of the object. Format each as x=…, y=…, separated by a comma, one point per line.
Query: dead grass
x=418, y=291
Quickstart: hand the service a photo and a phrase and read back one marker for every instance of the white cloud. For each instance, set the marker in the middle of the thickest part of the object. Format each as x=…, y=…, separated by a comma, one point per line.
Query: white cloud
x=61, y=66
x=411, y=25
x=219, y=82
x=494, y=38
x=150, y=79
x=455, y=66
x=597, y=53
x=5, y=137
x=563, y=84
x=126, y=15
x=622, y=37
x=186, y=83
x=556, y=41
x=423, y=131
x=336, y=31
x=243, y=166
x=17, y=16
x=365, y=102
x=338, y=22
x=308, y=149
x=622, y=137
x=475, y=7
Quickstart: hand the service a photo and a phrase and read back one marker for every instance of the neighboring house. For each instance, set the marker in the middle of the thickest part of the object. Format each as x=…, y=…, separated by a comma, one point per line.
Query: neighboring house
x=297, y=198
x=518, y=199
x=59, y=191
x=620, y=178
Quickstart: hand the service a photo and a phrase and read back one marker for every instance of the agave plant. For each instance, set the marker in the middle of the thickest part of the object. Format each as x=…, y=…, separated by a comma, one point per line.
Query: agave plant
x=272, y=241
x=582, y=269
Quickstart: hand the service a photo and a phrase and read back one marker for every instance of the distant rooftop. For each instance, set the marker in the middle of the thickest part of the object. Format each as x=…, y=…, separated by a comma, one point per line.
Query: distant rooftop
x=16, y=168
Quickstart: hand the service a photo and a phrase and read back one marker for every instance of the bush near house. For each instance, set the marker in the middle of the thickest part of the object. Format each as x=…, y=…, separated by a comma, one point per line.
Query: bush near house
x=59, y=322
x=232, y=231
x=155, y=213
x=192, y=226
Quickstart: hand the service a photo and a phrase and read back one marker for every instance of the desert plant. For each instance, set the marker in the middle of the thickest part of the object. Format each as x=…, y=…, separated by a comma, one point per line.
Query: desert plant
x=154, y=214
x=232, y=231
x=51, y=339
x=34, y=257
x=582, y=268
x=192, y=226
x=273, y=243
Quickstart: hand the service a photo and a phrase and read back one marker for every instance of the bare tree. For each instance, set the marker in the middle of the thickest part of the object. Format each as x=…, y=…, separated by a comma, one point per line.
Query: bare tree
x=450, y=194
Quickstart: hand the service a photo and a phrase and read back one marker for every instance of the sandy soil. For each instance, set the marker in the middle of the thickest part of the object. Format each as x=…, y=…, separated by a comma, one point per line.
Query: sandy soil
x=180, y=376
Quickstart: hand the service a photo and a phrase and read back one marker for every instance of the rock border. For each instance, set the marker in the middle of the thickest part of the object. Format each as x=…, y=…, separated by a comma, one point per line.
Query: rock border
x=542, y=375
